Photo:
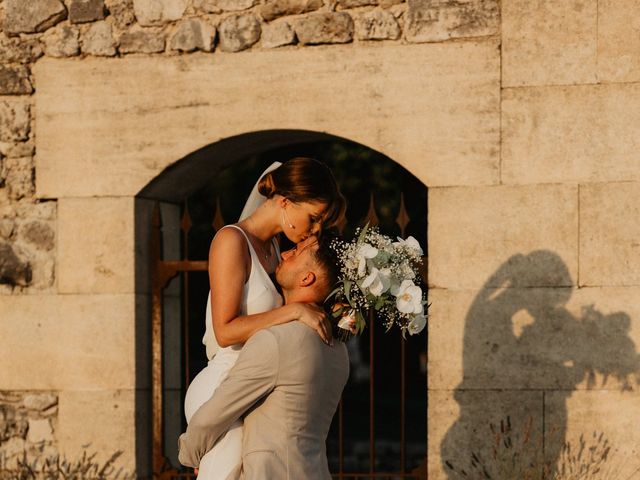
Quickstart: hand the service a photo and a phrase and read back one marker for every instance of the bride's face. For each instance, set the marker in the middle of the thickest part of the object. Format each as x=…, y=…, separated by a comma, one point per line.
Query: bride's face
x=301, y=220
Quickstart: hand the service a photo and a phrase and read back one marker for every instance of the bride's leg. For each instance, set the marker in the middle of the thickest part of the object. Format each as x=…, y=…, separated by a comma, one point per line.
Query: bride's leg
x=225, y=457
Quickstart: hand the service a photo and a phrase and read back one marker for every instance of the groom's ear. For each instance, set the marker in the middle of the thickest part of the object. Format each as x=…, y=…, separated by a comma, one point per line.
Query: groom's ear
x=309, y=279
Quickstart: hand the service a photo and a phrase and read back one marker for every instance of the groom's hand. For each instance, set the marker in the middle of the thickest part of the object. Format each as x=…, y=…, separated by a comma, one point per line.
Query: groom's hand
x=195, y=471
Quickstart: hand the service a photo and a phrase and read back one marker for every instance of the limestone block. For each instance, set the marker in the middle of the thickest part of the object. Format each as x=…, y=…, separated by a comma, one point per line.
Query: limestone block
x=376, y=25
x=618, y=41
x=534, y=338
x=39, y=402
x=107, y=421
x=142, y=42
x=610, y=234
x=279, y=8
x=121, y=12
x=39, y=234
x=15, y=116
x=331, y=27
x=193, y=34
x=19, y=50
x=277, y=34
x=40, y=431
x=71, y=341
x=571, y=134
x=14, y=80
x=62, y=42
x=239, y=32
x=143, y=103
x=96, y=245
x=19, y=177
x=549, y=42
x=494, y=225
x=84, y=11
x=428, y=21
x=17, y=150
x=465, y=423
x=99, y=40
x=217, y=6
x=158, y=12
x=14, y=268
x=587, y=414
x=32, y=16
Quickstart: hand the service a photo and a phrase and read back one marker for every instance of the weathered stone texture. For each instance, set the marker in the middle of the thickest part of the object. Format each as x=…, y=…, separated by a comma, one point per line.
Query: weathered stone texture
x=51, y=341
x=496, y=224
x=116, y=422
x=610, y=234
x=14, y=270
x=19, y=50
x=99, y=40
x=16, y=150
x=239, y=32
x=549, y=42
x=14, y=120
x=355, y=3
x=571, y=134
x=376, y=25
x=277, y=34
x=14, y=80
x=40, y=402
x=618, y=41
x=581, y=417
x=534, y=338
x=465, y=422
x=158, y=12
x=121, y=12
x=279, y=8
x=38, y=234
x=174, y=121
x=19, y=177
x=428, y=21
x=62, y=41
x=218, y=6
x=104, y=261
x=193, y=34
x=317, y=28
x=33, y=15
x=84, y=11
x=142, y=42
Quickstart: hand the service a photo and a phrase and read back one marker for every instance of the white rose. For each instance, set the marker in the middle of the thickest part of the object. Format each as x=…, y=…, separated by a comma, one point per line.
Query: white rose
x=408, y=297
x=417, y=324
x=378, y=281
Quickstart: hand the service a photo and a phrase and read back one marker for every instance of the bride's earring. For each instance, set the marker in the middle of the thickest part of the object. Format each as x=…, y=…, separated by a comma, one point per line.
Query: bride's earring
x=288, y=221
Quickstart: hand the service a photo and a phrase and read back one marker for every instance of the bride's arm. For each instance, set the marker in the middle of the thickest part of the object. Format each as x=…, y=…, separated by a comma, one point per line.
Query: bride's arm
x=229, y=262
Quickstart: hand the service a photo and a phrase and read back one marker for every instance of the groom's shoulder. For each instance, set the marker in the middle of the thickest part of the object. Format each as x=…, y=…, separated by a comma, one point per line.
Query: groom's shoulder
x=294, y=330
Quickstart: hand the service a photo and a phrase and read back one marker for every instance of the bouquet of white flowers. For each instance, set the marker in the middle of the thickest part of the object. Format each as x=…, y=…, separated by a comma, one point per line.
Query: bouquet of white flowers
x=378, y=273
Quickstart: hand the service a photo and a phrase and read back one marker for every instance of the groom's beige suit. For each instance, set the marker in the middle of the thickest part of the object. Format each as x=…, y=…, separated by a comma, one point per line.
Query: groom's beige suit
x=288, y=383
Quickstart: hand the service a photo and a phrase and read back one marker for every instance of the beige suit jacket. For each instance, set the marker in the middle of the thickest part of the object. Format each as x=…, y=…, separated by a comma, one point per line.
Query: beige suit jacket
x=290, y=384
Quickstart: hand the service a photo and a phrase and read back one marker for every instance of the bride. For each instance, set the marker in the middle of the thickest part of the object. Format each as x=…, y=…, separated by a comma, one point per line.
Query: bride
x=297, y=199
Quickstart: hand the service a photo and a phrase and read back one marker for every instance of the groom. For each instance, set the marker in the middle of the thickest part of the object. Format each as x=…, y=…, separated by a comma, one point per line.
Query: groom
x=286, y=381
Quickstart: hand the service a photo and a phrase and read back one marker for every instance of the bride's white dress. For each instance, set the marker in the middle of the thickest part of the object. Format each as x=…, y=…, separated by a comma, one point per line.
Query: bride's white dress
x=259, y=295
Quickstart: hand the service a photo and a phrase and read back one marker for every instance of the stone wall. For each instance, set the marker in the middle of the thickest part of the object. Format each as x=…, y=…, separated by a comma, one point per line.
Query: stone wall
x=521, y=117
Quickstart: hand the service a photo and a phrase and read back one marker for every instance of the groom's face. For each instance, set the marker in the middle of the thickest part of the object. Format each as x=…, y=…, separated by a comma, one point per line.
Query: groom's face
x=297, y=264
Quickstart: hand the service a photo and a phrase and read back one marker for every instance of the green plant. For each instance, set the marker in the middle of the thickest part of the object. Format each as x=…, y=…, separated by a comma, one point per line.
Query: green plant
x=56, y=467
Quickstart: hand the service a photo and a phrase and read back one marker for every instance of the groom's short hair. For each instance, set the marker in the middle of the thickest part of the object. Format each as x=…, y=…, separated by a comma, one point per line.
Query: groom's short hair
x=327, y=258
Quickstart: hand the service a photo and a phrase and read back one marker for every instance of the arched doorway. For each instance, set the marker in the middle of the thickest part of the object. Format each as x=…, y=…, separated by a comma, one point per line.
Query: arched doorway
x=380, y=428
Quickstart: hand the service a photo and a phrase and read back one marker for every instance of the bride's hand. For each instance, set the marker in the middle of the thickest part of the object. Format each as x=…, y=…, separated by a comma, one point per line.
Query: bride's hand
x=315, y=317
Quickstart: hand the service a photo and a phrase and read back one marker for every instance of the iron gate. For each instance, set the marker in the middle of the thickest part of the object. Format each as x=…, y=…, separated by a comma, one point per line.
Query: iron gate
x=163, y=271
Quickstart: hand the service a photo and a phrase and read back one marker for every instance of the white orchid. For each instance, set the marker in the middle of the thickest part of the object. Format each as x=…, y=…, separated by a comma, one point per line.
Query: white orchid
x=410, y=243
x=378, y=281
x=417, y=324
x=365, y=252
x=408, y=297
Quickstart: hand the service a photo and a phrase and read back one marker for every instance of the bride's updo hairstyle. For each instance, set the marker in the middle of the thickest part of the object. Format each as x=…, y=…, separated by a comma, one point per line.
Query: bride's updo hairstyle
x=304, y=179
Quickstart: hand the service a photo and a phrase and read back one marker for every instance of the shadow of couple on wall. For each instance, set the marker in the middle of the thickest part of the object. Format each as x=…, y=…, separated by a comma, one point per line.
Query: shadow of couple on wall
x=524, y=354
